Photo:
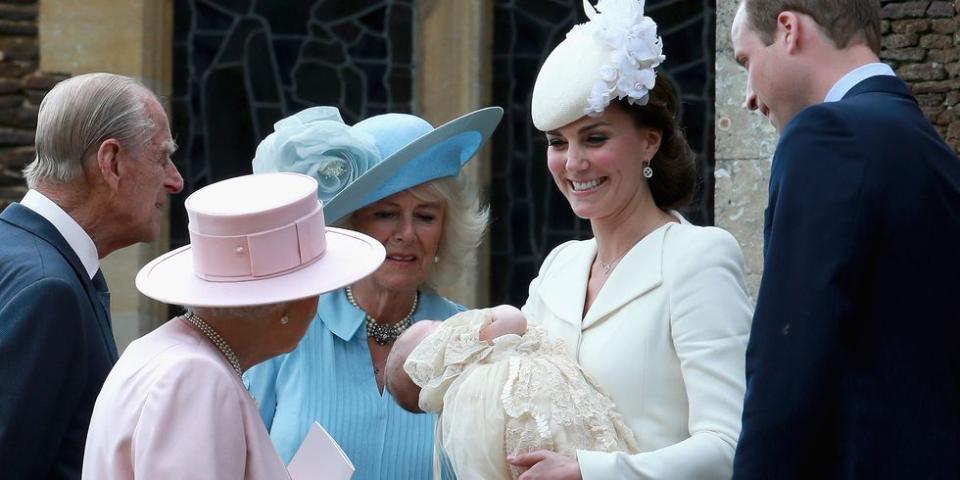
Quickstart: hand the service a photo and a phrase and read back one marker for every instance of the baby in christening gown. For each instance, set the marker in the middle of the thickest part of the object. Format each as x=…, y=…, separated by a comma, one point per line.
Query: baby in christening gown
x=500, y=388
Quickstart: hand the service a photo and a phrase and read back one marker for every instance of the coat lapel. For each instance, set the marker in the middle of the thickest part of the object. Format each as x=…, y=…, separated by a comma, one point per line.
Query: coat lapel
x=638, y=272
x=28, y=220
x=564, y=290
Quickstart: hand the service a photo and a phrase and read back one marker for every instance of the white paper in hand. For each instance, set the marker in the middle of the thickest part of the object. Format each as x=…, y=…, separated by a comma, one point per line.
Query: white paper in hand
x=319, y=457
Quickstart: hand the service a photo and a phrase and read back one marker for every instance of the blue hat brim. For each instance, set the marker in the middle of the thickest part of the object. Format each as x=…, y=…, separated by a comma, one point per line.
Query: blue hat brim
x=439, y=153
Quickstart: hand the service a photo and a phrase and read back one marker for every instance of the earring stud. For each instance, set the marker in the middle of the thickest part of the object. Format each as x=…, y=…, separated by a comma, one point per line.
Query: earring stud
x=284, y=320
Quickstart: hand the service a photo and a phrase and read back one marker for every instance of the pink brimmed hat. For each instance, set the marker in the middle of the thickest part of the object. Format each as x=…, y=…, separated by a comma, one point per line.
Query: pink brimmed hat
x=255, y=240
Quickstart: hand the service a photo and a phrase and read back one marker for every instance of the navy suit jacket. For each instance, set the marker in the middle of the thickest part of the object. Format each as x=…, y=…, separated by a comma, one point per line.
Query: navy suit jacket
x=56, y=348
x=853, y=363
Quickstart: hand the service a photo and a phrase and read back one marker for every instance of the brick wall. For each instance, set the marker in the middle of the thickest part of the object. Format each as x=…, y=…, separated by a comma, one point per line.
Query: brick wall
x=921, y=40
x=21, y=89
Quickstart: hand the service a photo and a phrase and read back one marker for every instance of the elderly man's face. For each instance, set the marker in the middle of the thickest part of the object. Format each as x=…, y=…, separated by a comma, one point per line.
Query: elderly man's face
x=148, y=177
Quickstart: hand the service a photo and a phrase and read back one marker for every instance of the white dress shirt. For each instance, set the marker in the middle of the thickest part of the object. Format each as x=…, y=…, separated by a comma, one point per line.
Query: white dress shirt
x=72, y=232
x=856, y=76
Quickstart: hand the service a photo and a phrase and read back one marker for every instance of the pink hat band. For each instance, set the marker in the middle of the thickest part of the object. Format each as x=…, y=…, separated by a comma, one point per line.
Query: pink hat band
x=250, y=246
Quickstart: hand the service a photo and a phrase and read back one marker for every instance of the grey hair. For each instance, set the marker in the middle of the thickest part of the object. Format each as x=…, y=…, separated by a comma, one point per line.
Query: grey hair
x=464, y=223
x=251, y=313
x=79, y=114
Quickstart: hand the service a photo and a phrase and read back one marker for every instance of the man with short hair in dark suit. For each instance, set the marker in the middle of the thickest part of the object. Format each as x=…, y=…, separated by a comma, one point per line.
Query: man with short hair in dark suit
x=853, y=364
x=99, y=183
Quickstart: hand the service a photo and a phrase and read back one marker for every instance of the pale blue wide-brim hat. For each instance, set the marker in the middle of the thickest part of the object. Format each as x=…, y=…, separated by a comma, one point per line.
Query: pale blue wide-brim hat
x=378, y=157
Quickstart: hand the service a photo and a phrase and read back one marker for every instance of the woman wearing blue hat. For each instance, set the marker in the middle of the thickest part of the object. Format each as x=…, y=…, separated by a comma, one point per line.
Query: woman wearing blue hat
x=395, y=178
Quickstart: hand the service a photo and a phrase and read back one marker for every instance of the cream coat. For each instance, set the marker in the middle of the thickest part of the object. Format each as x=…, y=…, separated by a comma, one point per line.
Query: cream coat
x=665, y=339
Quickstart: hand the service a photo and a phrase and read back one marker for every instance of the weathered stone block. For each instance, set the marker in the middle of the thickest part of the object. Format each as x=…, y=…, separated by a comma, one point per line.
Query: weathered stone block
x=24, y=116
x=913, y=54
x=904, y=10
x=14, y=69
x=35, y=96
x=18, y=12
x=944, y=25
x=9, y=85
x=18, y=48
x=922, y=71
x=931, y=99
x=943, y=86
x=934, y=40
x=43, y=80
x=941, y=9
x=920, y=25
x=900, y=40
x=931, y=113
x=953, y=69
x=953, y=132
x=16, y=136
x=7, y=101
x=953, y=98
x=17, y=158
x=741, y=197
x=944, y=56
x=884, y=27
x=15, y=27
x=944, y=119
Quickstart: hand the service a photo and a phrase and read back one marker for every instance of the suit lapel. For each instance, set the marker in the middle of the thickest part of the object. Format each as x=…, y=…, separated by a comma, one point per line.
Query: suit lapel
x=28, y=220
x=638, y=272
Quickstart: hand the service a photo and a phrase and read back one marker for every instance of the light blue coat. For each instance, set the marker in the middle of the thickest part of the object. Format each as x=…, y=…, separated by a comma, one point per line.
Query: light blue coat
x=329, y=378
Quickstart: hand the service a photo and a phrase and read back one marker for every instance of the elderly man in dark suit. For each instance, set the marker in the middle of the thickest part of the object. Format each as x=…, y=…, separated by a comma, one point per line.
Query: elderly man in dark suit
x=853, y=368
x=99, y=183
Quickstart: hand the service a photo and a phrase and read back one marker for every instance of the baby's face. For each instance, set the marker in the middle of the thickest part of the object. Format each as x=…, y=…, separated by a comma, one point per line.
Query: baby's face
x=404, y=391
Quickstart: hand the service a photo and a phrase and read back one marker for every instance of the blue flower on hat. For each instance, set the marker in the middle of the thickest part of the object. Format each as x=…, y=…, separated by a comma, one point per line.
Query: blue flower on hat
x=317, y=143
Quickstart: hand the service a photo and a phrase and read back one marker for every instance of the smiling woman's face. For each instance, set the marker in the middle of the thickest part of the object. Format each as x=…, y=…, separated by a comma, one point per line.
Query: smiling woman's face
x=597, y=162
x=410, y=230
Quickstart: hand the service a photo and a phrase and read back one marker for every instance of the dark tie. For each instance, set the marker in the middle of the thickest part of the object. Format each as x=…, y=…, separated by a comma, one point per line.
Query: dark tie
x=103, y=293
x=100, y=284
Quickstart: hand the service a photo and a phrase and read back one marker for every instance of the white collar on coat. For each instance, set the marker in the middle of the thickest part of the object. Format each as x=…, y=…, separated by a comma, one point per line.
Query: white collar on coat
x=564, y=288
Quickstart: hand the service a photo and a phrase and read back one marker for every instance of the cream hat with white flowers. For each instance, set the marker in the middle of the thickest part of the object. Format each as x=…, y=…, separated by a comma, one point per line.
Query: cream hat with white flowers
x=611, y=56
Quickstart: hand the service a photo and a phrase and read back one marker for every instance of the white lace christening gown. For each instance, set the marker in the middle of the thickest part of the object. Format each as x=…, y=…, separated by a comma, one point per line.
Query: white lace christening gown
x=514, y=395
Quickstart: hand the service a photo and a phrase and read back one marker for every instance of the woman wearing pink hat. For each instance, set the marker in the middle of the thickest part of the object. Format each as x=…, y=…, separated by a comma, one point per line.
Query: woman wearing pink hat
x=653, y=308
x=174, y=406
x=393, y=177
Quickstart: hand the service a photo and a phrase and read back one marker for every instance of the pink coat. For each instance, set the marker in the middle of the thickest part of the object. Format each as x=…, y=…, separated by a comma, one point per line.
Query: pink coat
x=173, y=407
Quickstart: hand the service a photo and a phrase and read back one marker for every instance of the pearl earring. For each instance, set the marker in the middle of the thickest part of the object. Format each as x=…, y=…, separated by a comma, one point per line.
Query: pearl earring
x=284, y=320
x=436, y=259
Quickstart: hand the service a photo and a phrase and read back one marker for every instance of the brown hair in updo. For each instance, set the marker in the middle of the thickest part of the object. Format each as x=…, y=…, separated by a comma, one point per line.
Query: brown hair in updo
x=674, y=165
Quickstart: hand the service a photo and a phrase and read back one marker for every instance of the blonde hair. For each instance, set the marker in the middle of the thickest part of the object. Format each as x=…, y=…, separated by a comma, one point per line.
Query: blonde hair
x=78, y=114
x=464, y=223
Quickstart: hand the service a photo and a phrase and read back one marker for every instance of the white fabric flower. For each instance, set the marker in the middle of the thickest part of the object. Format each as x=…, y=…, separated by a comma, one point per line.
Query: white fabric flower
x=635, y=51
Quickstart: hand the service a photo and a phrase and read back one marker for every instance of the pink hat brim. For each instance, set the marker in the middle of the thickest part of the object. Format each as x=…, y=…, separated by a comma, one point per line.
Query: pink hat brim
x=349, y=257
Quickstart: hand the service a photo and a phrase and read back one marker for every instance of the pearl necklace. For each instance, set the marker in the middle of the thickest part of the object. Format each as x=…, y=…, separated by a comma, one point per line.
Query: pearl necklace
x=384, y=334
x=216, y=339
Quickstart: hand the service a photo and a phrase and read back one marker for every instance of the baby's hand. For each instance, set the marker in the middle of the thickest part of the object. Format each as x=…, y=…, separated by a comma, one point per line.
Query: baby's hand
x=506, y=319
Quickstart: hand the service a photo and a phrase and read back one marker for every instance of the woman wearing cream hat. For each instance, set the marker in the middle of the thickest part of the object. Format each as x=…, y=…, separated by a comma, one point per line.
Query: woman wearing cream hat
x=653, y=308
x=174, y=406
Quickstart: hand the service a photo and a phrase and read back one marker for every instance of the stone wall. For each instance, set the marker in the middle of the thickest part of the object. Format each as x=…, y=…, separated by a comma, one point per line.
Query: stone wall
x=921, y=41
x=22, y=87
